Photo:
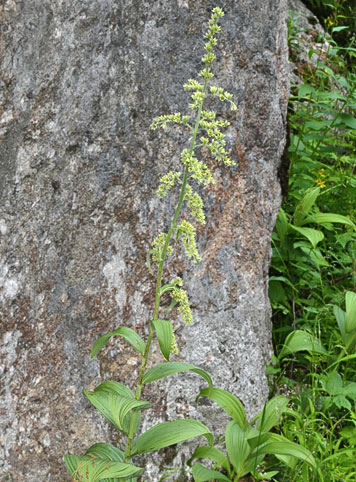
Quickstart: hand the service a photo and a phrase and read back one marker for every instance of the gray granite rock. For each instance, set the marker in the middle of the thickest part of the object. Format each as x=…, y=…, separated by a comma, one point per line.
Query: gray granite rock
x=81, y=81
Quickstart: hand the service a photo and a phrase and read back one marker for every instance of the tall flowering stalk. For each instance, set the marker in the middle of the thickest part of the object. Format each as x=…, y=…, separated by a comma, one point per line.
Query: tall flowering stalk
x=116, y=402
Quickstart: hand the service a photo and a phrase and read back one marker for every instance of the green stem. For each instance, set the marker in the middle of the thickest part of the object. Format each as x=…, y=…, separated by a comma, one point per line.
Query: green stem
x=159, y=279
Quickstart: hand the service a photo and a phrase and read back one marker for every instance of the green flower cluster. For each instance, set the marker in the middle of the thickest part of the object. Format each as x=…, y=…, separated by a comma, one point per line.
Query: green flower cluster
x=199, y=169
x=223, y=96
x=181, y=298
x=163, y=120
x=157, y=247
x=195, y=203
x=174, y=347
x=167, y=182
x=187, y=231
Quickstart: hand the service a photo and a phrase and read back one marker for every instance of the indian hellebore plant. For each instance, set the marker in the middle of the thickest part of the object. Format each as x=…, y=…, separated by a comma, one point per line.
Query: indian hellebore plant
x=117, y=403
x=246, y=443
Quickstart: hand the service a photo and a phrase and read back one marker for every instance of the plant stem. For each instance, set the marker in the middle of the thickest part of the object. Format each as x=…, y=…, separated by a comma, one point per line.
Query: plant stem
x=159, y=276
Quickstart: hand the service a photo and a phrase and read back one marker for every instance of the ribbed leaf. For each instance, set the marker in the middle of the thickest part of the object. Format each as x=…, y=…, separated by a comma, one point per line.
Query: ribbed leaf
x=201, y=474
x=325, y=218
x=103, y=399
x=130, y=335
x=340, y=316
x=211, y=453
x=278, y=445
x=164, y=332
x=93, y=469
x=300, y=340
x=305, y=205
x=237, y=446
x=350, y=311
x=271, y=414
x=107, y=451
x=282, y=225
x=170, y=433
x=163, y=370
x=313, y=235
x=228, y=402
x=120, y=407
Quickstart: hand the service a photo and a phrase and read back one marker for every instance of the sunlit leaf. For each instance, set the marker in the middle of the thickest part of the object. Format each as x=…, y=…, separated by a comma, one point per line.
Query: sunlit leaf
x=350, y=311
x=163, y=370
x=237, y=446
x=201, y=474
x=164, y=332
x=170, y=433
x=271, y=414
x=211, y=453
x=228, y=402
x=300, y=340
x=324, y=218
x=313, y=235
x=130, y=335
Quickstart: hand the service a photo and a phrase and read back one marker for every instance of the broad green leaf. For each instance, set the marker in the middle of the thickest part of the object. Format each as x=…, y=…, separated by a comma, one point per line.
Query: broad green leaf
x=164, y=332
x=316, y=125
x=130, y=335
x=107, y=451
x=228, y=402
x=163, y=370
x=313, y=235
x=278, y=445
x=340, y=316
x=304, y=90
x=334, y=384
x=300, y=340
x=349, y=390
x=211, y=453
x=342, y=402
x=103, y=399
x=305, y=205
x=282, y=225
x=170, y=433
x=93, y=469
x=346, y=119
x=120, y=407
x=350, y=311
x=315, y=256
x=201, y=474
x=271, y=414
x=324, y=218
x=237, y=446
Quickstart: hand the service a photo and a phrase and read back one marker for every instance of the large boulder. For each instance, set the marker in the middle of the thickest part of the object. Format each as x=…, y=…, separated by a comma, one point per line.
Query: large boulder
x=81, y=81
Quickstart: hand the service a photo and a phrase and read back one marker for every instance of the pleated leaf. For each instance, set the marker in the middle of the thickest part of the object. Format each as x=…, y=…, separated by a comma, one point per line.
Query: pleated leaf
x=278, y=445
x=211, y=453
x=164, y=333
x=107, y=451
x=228, y=402
x=325, y=218
x=120, y=407
x=95, y=469
x=170, y=433
x=237, y=446
x=350, y=311
x=163, y=370
x=300, y=340
x=201, y=474
x=305, y=204
x=103, y=399
x=270, y=416
x=314, y=236
x=130, y=335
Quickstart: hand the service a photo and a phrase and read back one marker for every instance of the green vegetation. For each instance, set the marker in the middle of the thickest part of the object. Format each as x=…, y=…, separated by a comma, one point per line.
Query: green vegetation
x=311, y=435
x=313, y=270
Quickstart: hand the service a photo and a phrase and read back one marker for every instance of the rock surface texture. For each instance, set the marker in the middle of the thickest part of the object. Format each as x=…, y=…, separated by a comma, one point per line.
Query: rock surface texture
x=80, y=83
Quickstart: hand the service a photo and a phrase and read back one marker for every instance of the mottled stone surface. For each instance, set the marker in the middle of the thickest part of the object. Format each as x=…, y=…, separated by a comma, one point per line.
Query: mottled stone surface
x=80, y=82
